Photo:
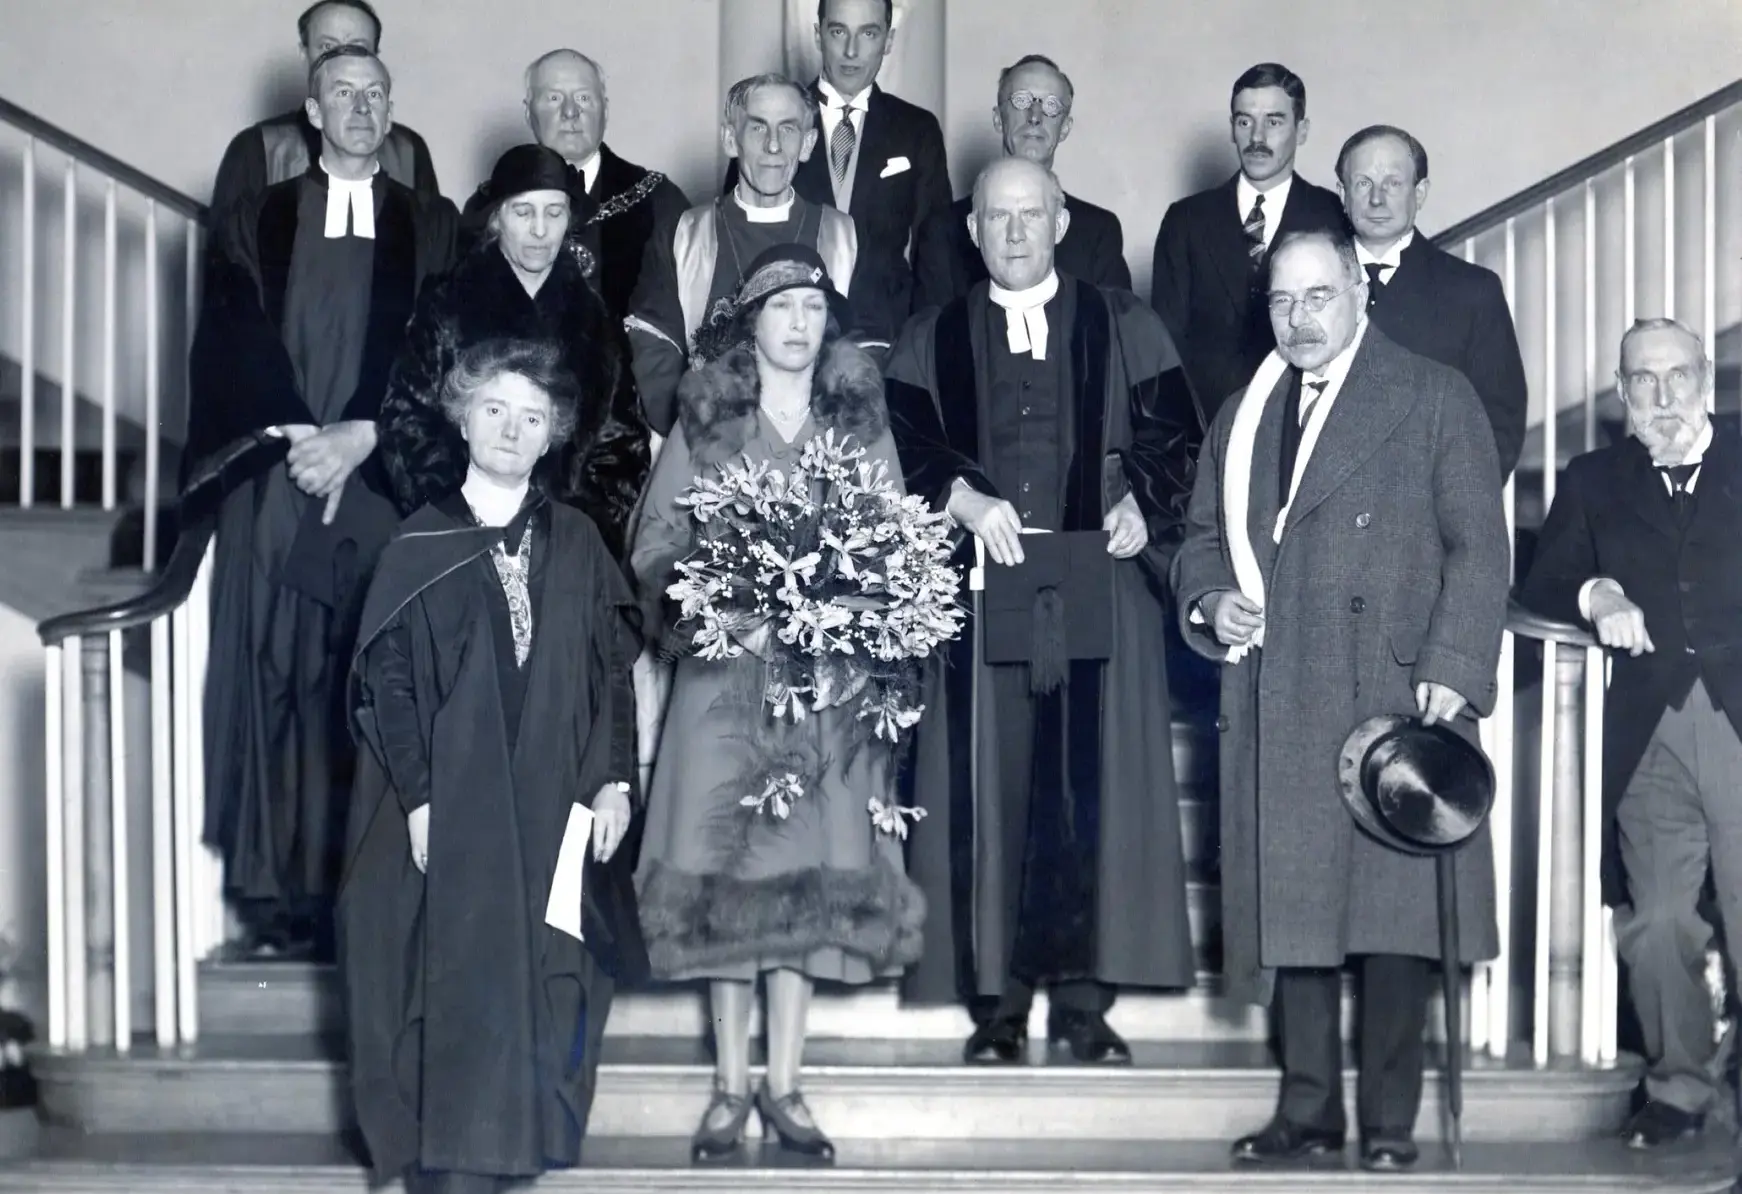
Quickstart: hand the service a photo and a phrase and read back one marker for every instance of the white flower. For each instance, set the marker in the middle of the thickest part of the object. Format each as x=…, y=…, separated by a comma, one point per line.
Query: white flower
x=777, y=796
x=893, y=818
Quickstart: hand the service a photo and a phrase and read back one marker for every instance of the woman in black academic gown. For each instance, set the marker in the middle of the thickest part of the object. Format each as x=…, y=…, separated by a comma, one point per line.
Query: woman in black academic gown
x=491, y=693
x=523, y=278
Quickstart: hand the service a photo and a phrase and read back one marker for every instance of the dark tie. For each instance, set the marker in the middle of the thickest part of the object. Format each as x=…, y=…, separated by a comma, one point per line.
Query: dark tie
x=841, y=146
x=1292, y=426
x=1679, y=475
x=1254, y=229
x=1375, y=283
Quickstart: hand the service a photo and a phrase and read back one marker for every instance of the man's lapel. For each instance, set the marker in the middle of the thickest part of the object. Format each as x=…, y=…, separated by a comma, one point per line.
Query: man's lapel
x=1227, y=244
x=1414, y=276
x=812, y=182
x=1374, y=399
x=1264, y=497
x=1717, y=493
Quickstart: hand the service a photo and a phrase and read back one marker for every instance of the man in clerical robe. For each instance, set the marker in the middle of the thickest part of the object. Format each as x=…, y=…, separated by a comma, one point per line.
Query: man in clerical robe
x=617, y=204
x=1032, y=118
x=312, y=284
x=1038, y=402
x=285, y=146
x=769, y=127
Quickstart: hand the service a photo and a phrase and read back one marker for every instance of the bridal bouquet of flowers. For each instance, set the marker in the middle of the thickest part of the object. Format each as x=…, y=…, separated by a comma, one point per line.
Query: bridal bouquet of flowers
x=840, y=583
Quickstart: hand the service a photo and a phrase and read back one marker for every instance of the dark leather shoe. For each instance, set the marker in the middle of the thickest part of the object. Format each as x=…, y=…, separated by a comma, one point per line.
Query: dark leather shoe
x=1389, y=1154
x=998, y=1042
x=1657, y=1124
x=1280, y=1140
x=1088, y=1036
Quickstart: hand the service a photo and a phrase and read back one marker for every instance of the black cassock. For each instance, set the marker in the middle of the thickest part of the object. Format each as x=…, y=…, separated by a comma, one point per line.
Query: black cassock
x=475, y=1027
x=295, y=327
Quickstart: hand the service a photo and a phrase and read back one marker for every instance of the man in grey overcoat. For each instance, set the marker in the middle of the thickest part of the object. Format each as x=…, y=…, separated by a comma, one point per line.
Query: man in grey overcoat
x=1345, y=556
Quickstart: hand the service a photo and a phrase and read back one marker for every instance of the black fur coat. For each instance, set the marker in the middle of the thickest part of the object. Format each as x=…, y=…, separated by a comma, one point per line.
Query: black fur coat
x=604, y=463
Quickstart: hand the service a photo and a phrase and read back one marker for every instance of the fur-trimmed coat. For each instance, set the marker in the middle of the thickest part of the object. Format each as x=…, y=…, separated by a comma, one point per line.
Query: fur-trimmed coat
x=725, y=892
x=604, y=463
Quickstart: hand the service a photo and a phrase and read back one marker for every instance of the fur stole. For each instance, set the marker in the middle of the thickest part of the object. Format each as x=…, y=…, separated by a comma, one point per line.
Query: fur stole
x=717, y=403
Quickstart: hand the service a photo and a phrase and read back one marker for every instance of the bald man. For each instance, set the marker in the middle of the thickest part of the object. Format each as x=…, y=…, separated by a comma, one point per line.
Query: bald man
x=617, y=204
x=1040, y=402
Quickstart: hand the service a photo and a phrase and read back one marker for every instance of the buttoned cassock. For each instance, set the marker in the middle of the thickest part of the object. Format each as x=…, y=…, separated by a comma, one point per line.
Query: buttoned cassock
x=1392, y=570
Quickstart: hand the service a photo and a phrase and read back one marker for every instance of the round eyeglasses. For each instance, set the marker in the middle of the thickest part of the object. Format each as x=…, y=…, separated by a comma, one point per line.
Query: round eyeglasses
x=1052, y=105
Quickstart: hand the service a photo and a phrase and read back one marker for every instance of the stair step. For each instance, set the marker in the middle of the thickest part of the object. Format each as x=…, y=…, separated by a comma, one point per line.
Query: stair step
x=883, y=1090
x=304, y=1164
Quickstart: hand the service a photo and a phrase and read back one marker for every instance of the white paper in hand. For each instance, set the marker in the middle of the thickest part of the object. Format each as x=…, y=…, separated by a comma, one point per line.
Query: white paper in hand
x=563, y=910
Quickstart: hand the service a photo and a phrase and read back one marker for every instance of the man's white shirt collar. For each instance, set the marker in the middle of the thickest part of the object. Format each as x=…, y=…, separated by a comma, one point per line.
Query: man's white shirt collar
x=1275, y=199
x=1335, y=372
x=1388, y=260
x=1025, y=324
x=834, y=99
x=589, y=171
x=350, y=204
x=777, y=214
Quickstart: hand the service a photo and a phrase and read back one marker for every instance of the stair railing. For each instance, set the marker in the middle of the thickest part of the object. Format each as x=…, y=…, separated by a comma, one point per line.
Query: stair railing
x=1581, y=255
x=90, y=970
x=134, y=204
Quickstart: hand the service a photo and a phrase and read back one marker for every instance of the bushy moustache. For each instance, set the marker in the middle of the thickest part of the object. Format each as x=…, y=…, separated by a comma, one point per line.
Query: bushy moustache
x=1303, y=337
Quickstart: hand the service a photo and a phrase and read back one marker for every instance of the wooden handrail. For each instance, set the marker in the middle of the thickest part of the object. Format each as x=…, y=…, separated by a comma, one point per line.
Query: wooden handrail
x=196, y=519
x=89, y=155
x=1527, y=623
x=1604, y=159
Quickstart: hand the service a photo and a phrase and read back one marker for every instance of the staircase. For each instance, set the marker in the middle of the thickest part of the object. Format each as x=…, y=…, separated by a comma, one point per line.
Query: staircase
x=238, y=1082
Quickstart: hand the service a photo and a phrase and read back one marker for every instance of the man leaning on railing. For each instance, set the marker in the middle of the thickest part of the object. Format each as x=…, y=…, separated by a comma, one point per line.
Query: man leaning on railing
x=1641, y=545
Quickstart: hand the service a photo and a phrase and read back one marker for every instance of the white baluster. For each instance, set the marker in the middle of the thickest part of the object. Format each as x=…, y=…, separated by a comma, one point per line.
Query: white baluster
x=109, y=286
x=186, y=765
x=163, y=886
x=27, y=335
x=1709, y=245
x=1629, y=284
x=210, y=909
x=68, y=332
x=1608, y=976
x=1669, y=227
x=1551, y=393
x=1592, y=1024
x=119, y=901
x=73, y=802
x=153, y=419
x=54, y=826
x=1545, y=805
x=1590, y=315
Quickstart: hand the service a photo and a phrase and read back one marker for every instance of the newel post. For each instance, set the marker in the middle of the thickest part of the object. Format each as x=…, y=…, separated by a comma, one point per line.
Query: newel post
x=1566, y=878
x=99, y=890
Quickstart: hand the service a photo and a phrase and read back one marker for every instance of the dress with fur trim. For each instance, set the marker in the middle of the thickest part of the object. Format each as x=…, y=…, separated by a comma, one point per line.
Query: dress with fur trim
x=726, y=893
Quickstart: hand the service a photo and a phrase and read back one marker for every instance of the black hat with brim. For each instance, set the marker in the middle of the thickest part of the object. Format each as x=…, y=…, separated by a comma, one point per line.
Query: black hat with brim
x=1419, y=789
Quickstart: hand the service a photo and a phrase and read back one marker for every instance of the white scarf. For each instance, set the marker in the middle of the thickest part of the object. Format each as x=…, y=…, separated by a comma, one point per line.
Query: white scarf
x=350, y=200
x=1025, y=315
x=1237, y=483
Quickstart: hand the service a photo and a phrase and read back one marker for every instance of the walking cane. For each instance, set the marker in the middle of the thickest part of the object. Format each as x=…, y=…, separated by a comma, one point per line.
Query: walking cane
x=1452, y=978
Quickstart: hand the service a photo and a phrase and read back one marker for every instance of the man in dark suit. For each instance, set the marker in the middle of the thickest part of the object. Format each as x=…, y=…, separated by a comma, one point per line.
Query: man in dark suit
x=880, y=160
x=1641, y=545
x=1033, y=117
x=1212, y=253
x=1424, y=298
x=617, y=204
x=286, y=146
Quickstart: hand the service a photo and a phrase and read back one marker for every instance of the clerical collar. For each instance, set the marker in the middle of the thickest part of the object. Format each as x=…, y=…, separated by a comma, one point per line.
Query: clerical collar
x=834, y=99
x=350, y=204
x=589, y=171
x=778, y=214
x=1391, y=258
x=1025, y=326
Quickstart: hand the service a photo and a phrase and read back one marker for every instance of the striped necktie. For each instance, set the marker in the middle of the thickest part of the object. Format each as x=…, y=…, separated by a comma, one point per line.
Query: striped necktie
x=841, y=145
x=1254, y=229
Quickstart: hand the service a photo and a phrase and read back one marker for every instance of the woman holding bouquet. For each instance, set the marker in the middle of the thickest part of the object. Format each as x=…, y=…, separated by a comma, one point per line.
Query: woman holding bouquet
x=739, y=875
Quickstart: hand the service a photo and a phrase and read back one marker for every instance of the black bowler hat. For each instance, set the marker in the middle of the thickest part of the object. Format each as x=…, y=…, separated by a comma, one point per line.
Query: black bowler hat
x=1419, y=789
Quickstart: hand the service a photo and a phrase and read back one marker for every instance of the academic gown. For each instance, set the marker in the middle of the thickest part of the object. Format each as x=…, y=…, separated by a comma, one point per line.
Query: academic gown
x=475, y=1026
x=294, y=328
x=1107, y=902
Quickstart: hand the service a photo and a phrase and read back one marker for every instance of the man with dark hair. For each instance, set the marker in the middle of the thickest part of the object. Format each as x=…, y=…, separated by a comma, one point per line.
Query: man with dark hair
x=769, y=130
x=1641, y=546
x=617, y=204
x=1212, y=252
x=1426, y=299
x=881, y=160
x=1051, y=857
x=1345, y=556
x=1032, y=117
x=312, y=283
x=285, y=146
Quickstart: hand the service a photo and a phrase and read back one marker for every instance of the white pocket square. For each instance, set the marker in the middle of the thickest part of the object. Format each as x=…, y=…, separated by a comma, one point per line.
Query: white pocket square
x=895, y=166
